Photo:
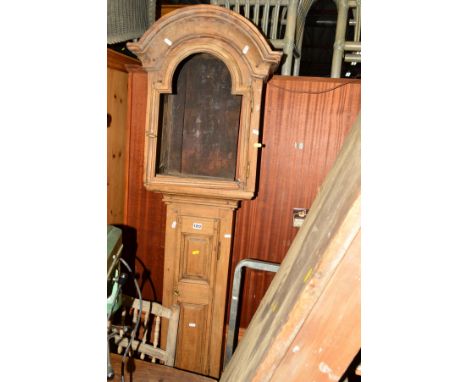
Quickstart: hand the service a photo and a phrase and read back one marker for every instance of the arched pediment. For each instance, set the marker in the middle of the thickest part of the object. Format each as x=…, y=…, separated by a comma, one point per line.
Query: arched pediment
x=206, y=29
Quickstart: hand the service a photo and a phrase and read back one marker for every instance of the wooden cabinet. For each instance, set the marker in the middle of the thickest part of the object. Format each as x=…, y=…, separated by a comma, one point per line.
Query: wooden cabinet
x=196, y=263
x=117, y=163
x=201, y=148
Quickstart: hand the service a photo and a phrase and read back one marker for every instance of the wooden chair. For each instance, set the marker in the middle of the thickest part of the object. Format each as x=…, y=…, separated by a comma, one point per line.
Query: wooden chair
x=146, y=341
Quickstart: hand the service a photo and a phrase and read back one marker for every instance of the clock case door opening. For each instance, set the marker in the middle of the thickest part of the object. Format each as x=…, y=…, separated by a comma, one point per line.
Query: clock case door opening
x=199, y=122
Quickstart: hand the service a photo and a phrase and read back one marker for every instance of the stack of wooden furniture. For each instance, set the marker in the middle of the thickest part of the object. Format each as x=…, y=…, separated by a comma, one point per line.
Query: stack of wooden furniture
x=308, y=325
x=190, y=192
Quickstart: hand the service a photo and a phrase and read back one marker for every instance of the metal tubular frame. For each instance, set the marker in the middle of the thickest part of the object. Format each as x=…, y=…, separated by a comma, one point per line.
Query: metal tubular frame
x=289, y=37
x=284, y=13
x=352, y=57
x=302, y=11
x=233, y=310
x=352, y=45
x=340, y=45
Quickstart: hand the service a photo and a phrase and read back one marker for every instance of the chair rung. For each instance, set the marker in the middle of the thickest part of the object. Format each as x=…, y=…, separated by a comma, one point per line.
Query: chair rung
x=144, y=348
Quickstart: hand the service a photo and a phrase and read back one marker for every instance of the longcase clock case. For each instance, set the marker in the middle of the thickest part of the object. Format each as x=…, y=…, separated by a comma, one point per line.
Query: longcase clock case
x=206, y=70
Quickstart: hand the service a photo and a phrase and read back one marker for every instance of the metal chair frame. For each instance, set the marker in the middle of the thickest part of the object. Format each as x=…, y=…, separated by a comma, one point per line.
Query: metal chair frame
x=234, y=308
x=341, y=46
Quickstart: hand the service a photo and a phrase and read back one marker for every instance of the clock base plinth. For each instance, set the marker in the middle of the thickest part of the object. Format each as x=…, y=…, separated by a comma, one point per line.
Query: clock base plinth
x=197, y=254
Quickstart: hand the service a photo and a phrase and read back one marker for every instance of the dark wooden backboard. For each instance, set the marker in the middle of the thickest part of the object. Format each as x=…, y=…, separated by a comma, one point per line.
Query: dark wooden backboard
x=200, y=126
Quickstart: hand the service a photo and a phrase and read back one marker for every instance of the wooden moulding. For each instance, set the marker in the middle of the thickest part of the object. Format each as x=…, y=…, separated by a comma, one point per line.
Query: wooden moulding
x=119, y=61
x=307, y=326
x=239, y=44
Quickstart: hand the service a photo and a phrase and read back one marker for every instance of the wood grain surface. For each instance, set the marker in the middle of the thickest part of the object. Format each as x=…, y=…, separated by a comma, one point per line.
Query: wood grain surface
x=200, y=124
x=331, y=337
x=119, y=61
x=145, y=216
x=310, y=292
x=317, y=112
x=289, y=177
x=117, y=101
x=116, y=126
x=140, y=371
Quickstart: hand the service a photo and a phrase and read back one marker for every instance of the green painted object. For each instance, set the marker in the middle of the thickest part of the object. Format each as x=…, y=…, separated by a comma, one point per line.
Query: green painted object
x=114, y=250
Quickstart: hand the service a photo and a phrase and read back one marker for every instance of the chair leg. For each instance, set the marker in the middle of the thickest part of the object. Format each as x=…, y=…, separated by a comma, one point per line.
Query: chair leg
x=172, y=336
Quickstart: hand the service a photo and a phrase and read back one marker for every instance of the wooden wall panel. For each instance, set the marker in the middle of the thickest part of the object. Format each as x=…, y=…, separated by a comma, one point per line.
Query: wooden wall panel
x=145, y=215
x=117, y=78
x=317, y=112
x=316, y=290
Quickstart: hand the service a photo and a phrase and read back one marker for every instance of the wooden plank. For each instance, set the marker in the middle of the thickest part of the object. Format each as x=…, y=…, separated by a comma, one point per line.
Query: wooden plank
x=317, y=252
x=317, y=112
x=331, y=334
x=140, y=371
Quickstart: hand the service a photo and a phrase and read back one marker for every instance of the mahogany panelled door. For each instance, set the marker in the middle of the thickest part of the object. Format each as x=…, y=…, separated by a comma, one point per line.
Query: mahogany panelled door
x=206, y=69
